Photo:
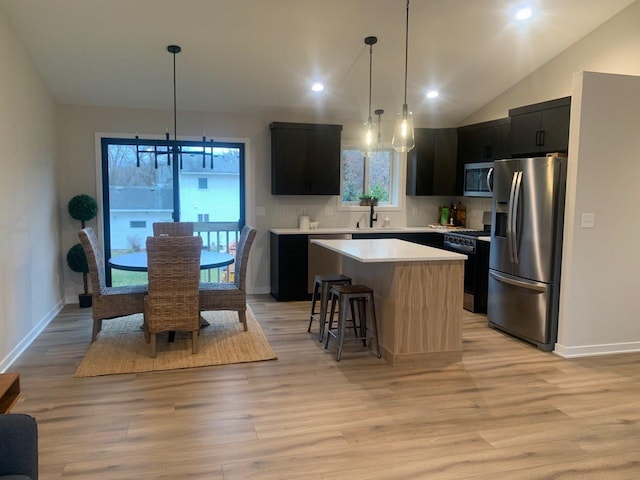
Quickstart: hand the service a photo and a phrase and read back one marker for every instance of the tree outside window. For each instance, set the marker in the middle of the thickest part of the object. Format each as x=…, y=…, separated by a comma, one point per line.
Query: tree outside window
x=367, y=176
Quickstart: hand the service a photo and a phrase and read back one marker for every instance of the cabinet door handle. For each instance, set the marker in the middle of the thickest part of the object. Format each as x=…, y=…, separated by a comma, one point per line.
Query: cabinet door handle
x=541, y=137
x=487, y=151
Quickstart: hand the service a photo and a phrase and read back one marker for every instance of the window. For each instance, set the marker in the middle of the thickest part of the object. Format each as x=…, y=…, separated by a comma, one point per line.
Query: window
x=376, y=175
x=142, y=181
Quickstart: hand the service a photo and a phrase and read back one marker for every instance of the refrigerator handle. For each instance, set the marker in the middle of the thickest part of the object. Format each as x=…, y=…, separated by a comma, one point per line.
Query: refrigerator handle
x=527, y=284
x=510, y=215
x=514, y=216
x=489, y=180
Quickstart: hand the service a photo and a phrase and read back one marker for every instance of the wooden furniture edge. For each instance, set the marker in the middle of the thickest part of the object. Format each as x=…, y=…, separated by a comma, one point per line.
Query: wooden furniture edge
x=9, y=390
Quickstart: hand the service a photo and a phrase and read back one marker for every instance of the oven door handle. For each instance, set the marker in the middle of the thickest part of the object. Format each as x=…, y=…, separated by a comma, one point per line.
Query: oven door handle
x=467, y=249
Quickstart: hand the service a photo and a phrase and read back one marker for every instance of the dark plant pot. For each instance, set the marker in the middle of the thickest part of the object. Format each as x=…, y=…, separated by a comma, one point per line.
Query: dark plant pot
x=84, y=300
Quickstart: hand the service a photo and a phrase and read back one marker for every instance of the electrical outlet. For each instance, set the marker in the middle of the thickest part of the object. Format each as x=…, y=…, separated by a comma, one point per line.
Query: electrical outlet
x=414, y=211
x=260, y=212
x=588, y=220
x=328, y=211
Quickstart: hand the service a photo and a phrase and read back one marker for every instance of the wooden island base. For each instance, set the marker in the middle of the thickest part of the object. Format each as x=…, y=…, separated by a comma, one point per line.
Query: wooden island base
x=418, y=305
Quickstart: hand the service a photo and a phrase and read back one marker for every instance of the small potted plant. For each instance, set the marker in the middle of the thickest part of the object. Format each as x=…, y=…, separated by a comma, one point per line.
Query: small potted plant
x=365, y=200
x=83, y=208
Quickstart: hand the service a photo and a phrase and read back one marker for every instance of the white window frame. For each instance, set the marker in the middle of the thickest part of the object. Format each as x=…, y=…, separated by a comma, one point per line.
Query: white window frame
x=397, y=187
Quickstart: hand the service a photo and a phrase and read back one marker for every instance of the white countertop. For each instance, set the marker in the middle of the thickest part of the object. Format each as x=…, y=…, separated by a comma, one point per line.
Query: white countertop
x=339, y=230
x=387, y=250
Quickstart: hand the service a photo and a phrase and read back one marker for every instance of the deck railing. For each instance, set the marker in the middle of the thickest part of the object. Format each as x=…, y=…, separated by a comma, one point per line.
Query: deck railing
x=219, y=237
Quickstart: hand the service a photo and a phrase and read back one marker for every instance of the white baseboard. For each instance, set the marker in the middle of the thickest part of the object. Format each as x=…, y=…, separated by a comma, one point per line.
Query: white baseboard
x=30, y=337
x=595, y=350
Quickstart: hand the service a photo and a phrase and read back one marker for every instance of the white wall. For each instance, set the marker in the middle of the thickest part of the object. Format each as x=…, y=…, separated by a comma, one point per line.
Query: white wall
x=612, y=48
x=30, y=269
x=601, y=265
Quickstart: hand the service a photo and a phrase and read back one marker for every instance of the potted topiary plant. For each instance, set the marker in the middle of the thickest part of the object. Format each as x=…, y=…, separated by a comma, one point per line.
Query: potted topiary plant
x=83, y=208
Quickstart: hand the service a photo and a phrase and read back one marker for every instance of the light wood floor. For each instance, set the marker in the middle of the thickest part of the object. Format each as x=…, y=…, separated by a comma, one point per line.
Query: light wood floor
x=505, y=411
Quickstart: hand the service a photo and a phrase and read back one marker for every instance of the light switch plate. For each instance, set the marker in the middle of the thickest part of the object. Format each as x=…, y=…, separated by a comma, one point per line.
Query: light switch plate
x=588, y=220
x=328, y=211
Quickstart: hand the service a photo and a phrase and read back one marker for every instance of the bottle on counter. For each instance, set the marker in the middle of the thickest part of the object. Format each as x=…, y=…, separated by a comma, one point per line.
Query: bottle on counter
x=461, y=215
x=444, y=215
x=452, y=214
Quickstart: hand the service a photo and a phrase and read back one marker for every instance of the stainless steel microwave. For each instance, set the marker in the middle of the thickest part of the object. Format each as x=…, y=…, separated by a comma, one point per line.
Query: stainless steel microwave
x=478, y=181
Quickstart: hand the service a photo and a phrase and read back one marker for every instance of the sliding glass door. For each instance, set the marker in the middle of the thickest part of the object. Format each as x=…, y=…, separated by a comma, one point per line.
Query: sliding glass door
x=147, y=181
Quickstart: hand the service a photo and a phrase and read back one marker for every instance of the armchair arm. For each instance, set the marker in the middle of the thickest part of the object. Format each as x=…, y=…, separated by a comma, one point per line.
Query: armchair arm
x=18, y=445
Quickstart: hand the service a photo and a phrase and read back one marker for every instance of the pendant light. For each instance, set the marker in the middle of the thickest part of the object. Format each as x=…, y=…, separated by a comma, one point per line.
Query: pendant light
x=369, y=141
x=173, y=150
x=403, y=139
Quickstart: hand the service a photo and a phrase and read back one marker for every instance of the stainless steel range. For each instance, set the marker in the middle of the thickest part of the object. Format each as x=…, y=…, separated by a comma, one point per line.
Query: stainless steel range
x=476, y=267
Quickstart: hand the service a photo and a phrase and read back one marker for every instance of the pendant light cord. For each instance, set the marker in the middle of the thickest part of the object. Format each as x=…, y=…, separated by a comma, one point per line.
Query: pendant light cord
x=370, y=75
x=406, y=56
x=175, y=114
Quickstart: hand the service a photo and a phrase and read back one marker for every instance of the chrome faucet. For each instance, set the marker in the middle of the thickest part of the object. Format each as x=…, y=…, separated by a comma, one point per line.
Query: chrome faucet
x=373, y=217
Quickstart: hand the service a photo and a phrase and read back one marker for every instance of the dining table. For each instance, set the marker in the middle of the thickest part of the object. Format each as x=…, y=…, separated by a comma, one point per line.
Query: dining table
x=137, y=261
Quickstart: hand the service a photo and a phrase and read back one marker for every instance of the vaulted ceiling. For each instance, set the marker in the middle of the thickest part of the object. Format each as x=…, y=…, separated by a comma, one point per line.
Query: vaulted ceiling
x=261, y=56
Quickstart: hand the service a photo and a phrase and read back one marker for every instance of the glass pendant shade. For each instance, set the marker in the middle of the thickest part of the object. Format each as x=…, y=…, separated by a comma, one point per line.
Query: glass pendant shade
x=369, y=142
x=403, y=139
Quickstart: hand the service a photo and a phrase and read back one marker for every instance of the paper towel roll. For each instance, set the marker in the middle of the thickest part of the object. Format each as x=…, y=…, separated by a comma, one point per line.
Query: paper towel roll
x=303, y=222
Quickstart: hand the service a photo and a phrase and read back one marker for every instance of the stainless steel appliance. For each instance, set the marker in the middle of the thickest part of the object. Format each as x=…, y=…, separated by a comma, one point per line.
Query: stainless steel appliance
x=526, y=247
x=478, y=179
x=476, y=267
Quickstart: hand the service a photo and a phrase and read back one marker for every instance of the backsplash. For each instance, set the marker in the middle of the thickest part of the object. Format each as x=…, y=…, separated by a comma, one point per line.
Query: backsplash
x=283, y=211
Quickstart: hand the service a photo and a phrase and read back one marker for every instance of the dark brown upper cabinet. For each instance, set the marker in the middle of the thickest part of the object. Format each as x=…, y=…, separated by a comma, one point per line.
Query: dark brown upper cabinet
x=484, y=142
x=431, y=164
x=305, y=159
x=540, y=128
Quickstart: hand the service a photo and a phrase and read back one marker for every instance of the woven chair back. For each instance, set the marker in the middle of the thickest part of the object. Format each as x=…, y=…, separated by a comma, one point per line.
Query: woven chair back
x=174, y=280
x=95, y=259
x=173, y=229
x=243, y=249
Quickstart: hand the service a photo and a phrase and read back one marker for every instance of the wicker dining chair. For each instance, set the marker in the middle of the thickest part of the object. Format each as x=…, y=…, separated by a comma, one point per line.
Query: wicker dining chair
x=107, y=302
x=231, y=296
x=174, y=277
x=173, y=229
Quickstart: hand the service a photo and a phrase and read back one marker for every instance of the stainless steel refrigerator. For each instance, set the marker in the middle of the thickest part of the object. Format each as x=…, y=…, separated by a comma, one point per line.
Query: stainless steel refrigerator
x=526, y=247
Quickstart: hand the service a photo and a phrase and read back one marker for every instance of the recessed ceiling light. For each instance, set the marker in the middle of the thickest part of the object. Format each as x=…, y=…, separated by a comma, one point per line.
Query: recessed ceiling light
x=432, y=94
x=317, y=87
x=524, y=13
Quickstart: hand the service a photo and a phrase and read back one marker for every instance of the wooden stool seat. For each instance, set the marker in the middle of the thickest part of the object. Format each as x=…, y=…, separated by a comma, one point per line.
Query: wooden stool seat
x=321, y=286
x=349, y=297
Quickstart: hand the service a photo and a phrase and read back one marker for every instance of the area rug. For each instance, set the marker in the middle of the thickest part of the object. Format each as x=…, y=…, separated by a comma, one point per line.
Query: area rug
x=121, y=347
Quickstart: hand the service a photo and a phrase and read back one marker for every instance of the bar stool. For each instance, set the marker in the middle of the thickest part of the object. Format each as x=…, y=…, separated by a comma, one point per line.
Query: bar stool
x=350, y=296
x=321, y=286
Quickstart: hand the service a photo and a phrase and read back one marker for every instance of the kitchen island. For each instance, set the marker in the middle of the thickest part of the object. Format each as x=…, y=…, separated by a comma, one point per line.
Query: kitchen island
x=418, y=292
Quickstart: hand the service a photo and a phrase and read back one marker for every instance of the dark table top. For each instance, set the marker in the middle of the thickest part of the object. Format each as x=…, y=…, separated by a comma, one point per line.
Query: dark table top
x=137, y=261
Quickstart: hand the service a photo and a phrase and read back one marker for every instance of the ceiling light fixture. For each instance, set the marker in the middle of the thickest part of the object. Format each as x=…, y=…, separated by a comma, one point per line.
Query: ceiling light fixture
x=403, y=139
x=172, y=149
x=368, y=136
x=432, y=94
x=317, y=87
x=524, y=13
